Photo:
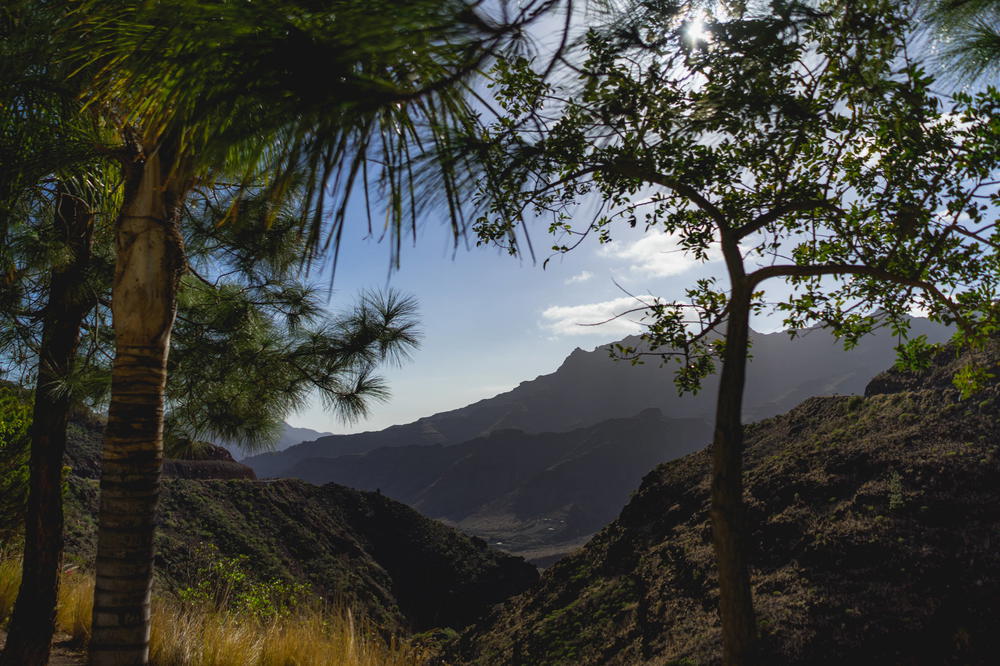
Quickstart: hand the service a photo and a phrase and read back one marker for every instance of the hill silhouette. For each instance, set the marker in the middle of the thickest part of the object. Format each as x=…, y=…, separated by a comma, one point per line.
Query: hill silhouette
x=542, y=467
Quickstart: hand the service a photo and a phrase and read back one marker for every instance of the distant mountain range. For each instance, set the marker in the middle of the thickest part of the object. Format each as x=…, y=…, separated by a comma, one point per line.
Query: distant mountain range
x=537, y=495
x=540, y=467
x=290, y=436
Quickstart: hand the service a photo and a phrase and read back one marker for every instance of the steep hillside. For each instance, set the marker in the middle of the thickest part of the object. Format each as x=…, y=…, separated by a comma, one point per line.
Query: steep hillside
x=875, y=524
x=533, y=495
x=589, y=387
x=383, y=559
x=380, y=557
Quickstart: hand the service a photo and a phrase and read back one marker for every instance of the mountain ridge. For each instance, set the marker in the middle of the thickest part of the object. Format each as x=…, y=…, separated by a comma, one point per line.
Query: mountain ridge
x=589, y=387
x=540, y=513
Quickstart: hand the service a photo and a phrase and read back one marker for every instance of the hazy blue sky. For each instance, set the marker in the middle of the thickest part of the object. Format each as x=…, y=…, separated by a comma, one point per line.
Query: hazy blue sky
x=490, y=320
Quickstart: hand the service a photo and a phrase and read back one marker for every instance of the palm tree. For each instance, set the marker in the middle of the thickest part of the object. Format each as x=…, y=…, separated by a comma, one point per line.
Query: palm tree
x=248, y=350
x=47, y=190
x=203, y=90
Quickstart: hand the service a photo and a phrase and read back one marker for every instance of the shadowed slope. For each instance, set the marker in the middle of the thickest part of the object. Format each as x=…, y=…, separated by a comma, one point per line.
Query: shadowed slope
x=875, y=523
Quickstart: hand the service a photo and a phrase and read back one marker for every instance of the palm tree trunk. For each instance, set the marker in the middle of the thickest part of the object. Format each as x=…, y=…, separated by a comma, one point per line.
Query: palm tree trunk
x=33, y=621
x=739, y=629
x=149, y=263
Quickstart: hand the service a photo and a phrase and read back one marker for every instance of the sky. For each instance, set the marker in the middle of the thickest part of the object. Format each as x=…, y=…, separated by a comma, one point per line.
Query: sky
x=490, y=321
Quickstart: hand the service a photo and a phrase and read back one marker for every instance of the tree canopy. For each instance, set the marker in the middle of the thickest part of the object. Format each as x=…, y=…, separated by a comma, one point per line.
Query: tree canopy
x=809, y=137
x=790, y=141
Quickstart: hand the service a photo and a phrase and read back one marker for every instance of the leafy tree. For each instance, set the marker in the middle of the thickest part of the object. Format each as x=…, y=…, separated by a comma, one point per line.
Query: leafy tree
x=794, y=142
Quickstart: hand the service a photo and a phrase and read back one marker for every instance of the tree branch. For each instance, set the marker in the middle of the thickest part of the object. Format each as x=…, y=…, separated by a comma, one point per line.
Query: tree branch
x=632, y=170
x=773, y=215
x=768, y=272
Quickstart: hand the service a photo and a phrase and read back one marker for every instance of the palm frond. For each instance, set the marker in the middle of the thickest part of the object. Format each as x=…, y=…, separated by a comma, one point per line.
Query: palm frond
x=968, y=33
x=348, y=92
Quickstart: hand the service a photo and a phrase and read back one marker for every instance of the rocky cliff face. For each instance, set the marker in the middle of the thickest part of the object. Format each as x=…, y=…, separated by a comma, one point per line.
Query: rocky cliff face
x=875, y=533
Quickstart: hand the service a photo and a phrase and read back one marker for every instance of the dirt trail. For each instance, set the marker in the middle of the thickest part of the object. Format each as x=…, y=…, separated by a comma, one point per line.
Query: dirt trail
x=62, y=654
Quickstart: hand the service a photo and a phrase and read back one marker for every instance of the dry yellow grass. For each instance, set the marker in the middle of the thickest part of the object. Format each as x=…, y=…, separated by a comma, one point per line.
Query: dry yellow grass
x=194, y=636
x=76, y=594
x=314, y=637
x=76, y=598
x=10, y=580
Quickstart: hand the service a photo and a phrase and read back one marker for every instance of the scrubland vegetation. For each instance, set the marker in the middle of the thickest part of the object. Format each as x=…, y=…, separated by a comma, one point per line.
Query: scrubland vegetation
x=231, y=620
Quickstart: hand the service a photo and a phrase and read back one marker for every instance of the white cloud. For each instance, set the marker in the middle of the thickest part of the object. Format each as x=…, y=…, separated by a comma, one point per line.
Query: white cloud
x=657, y=255
x=572, y=319
x=582, y=276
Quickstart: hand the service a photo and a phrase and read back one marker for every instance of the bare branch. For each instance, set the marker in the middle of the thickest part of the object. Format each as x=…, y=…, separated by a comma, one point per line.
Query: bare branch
x=630, y=169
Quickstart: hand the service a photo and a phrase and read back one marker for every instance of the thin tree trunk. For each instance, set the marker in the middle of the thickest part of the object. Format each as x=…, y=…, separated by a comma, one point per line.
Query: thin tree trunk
x=149, y=262
x=739, y=628
x=33, y=621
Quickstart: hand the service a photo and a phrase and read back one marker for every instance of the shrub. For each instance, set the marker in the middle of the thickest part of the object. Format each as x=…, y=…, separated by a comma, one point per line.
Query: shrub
x=225, y=584
x=15, y=417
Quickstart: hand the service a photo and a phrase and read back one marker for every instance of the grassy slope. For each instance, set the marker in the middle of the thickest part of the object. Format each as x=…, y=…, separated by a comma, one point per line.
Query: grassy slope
x=362, y=549
x=876, y=525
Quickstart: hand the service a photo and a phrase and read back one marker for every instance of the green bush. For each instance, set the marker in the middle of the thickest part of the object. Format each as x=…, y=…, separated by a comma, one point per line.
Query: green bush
x=225, y=584
x=15, y=417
